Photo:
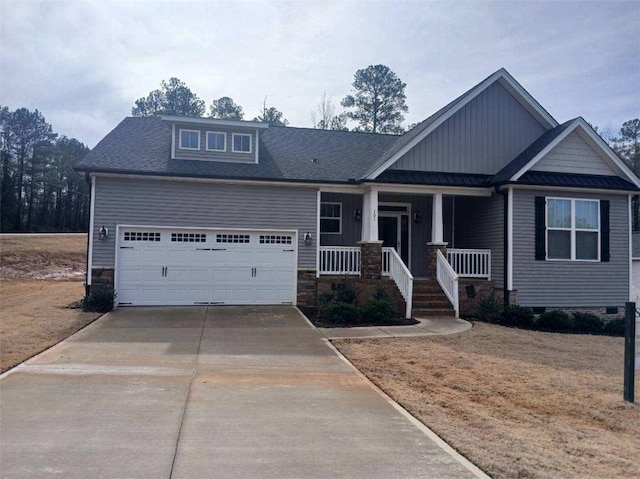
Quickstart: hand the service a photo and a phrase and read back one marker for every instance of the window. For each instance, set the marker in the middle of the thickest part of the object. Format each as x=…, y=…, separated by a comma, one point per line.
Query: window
x=230, y=238
x=141, y=236
x=331, y=218
x=216, y=141
x=188, y=237
x=190, y=139
x=573, y=229
x=241, y=143
x=275, y=239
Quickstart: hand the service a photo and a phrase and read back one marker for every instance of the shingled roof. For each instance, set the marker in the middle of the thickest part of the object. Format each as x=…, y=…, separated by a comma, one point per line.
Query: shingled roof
x=142, y=145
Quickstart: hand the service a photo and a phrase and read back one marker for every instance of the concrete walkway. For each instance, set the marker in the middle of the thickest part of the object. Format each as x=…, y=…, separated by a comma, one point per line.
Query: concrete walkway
x=426, y=327
x=205, y=392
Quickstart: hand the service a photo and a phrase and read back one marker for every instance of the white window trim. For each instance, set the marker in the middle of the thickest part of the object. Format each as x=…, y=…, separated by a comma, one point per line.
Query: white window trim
x=572, y=230
x=180, y=139
x=233, y=149
x=339, y=218
x=217, y=133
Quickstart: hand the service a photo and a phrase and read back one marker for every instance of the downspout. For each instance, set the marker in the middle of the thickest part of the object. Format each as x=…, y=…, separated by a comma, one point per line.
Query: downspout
x=505, y=261
x=87, y=286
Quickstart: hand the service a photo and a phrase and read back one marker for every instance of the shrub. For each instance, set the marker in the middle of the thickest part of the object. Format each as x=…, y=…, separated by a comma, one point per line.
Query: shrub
x=555, y=320
x=325, y=298
x=378, y=310
x=587, y=323
x=341, y=313
x=381, y=294
x=99, y=300
x=490, y=309
x=518, y=316
x=346, y=294
x=614, y=327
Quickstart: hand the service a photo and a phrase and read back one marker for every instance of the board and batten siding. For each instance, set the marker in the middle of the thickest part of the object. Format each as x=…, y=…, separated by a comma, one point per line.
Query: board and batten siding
x=569, y=283
x=204, y=154
x=482, y=137
x=201, y=205
x=479, y=224
x=573, y=155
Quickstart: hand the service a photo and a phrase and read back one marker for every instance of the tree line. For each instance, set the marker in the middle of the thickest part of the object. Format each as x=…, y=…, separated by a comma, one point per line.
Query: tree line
x=39, y=191
x=376, y=104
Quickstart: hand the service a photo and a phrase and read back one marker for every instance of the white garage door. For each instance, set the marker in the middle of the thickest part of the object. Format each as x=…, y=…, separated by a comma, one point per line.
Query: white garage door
x=181, y=267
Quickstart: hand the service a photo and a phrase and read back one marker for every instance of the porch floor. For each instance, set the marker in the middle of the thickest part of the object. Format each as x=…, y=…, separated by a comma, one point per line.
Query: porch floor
x=426, y=327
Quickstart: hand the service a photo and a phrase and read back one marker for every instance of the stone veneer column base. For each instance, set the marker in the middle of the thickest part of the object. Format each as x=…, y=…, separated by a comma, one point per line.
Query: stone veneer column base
x=370, y=259
x=102, y=277
x=432, y=250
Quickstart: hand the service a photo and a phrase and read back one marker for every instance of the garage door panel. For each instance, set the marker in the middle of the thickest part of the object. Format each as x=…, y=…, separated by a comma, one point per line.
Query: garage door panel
x=165, y=266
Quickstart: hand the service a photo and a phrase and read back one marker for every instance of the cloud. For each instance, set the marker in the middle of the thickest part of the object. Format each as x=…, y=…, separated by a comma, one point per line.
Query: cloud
x=83, y=64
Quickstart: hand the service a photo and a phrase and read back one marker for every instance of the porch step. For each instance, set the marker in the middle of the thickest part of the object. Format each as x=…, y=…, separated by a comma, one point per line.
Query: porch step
x=433, y=313
x=429, y=301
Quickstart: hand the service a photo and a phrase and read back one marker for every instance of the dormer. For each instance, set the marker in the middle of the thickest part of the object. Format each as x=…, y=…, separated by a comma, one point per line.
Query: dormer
x=208, y=139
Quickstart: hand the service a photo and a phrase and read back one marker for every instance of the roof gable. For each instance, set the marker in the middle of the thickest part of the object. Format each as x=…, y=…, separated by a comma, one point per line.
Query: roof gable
x=546, y=144
x=423, y=129
x=480, y=138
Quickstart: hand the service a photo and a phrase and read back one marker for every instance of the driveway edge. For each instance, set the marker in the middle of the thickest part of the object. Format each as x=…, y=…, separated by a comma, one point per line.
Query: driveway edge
x=475, y=470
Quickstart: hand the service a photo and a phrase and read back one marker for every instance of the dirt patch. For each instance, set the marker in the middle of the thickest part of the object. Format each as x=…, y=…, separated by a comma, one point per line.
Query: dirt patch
x=57, y=257
x=519, y=404
x=35, y=316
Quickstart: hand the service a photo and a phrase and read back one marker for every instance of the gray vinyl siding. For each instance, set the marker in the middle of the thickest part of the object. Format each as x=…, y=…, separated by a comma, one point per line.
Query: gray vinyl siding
x=204, y=154
x=573, y=155
x=206, y=205
x=569, y=283
x=479, y=223
x=351, y=229
x=482, y=137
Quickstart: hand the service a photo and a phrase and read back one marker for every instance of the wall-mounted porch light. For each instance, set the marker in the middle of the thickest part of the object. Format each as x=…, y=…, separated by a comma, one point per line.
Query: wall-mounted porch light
x=357, y=215
x=307, y=239
x=417, y=217
x=103, y=233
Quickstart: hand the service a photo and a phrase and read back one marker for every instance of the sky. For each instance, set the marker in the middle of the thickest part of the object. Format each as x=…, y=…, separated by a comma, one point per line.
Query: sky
x=84, y=63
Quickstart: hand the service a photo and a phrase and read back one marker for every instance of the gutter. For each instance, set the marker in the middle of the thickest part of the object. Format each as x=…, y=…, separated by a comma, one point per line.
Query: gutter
x=505, y=220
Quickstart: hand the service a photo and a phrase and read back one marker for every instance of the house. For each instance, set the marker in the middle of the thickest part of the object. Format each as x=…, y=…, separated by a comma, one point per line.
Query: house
x=490, y=193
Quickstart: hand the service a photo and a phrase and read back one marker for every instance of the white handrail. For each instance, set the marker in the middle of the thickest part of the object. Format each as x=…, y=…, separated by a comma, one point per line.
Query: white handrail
x=448, y=280
x=470, y=263
x=400, y=274
x=339, y=260
x=386, y=252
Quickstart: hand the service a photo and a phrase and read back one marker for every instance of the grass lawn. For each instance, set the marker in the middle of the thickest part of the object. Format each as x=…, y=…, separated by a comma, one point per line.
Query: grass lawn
x=519, y=404
x=34, y=312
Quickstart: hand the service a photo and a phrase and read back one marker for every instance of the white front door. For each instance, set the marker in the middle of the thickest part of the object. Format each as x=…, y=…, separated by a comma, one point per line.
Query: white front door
x=174, y=266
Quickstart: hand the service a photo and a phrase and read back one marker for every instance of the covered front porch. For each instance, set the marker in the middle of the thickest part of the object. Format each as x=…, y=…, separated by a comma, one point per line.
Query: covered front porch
x=410, y=234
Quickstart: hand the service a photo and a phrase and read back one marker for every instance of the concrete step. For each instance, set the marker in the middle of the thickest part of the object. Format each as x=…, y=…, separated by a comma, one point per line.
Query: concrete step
x=436, y=304
x=433, y=313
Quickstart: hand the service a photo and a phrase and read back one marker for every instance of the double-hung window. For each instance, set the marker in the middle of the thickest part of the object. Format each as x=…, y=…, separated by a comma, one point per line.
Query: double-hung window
x=573, y=229
x=216, y=141
x=190, y=139
x=331, y=218
x=241, y=143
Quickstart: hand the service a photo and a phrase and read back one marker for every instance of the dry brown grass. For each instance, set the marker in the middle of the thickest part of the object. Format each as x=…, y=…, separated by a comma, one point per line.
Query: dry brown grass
x=43, y=257
x=519, y=404
x=34, y=313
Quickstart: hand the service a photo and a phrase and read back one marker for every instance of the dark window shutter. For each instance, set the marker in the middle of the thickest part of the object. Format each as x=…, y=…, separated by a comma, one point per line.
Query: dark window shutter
x=604, y=230
x=540, y=229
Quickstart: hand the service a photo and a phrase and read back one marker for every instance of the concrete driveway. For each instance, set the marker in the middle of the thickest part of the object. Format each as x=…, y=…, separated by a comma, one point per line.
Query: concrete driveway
x=204, y=392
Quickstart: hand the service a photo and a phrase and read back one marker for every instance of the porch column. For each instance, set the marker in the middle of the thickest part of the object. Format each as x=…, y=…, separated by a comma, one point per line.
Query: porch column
x=370, y=247
x=370, y=216
x=436, y=220
x=437, y=237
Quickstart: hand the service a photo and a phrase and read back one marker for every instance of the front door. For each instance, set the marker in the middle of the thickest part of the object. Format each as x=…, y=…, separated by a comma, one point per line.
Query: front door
x=393, y=230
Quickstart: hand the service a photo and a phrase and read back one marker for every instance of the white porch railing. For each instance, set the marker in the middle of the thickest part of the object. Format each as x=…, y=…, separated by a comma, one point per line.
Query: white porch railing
x=400, y=274
x=339, y=260
x=448, y=280
x=470, y=263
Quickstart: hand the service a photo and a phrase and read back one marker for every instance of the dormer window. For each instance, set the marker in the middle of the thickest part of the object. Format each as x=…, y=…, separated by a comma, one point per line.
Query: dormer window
x=216, y=141
x=241, y=143
x=189, y=139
